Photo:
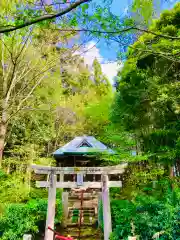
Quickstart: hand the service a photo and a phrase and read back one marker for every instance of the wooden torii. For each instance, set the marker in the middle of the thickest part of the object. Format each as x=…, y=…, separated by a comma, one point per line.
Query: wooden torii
x=52, y=184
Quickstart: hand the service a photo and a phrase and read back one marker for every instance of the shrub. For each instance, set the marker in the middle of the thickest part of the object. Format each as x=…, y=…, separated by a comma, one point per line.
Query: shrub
x=20, y=218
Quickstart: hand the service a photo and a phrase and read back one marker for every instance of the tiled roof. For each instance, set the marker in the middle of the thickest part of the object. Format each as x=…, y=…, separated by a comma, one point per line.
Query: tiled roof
x=83, y=145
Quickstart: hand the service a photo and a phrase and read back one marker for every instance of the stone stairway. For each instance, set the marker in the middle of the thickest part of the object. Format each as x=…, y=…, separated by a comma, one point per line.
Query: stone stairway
x=87, y=212
x=86, y=232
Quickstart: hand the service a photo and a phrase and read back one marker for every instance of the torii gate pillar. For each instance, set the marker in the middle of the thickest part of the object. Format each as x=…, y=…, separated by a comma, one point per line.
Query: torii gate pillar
x=49, y=235
x=65, y=207
x=106, y=208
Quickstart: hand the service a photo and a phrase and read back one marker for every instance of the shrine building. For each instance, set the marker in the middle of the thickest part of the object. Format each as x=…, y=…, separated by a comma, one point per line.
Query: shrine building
x=83, y=151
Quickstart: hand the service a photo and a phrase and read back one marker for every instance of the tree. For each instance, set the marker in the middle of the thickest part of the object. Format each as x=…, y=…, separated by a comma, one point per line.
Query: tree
x=102, y=22
x=148, y=92
x=55, y=111
x=97, y=71
x=100, y=80
x=26, y=61
x=36, y=12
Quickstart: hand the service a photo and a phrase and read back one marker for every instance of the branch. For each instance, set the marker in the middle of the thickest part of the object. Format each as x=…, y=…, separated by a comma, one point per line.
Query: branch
x=29, y=94
x=120, y=31
x=45, y=17
x=168, y=56
x=50, y=4
x=19, y=107
x=14, y=74
x=24, y=45
x=157, y=34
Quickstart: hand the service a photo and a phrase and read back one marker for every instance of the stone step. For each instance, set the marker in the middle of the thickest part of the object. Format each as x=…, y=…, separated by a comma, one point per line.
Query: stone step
x=78, y=197
x=76, y=231
x=85, y=204
x=90, y=238
x=83, y=228
x=71, y=225
x=86, y=222
x=82, y=209
x=86, y=215
x=86, y=232
x=82, y=234
x=73, y=213
x=90, y=214
x=85, y=236
x=83, y=214
x=84, y=194
x=71, y=199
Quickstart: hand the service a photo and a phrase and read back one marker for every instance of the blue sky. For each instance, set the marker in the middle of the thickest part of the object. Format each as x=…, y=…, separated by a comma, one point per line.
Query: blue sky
x=120, y=7
x=107, y=55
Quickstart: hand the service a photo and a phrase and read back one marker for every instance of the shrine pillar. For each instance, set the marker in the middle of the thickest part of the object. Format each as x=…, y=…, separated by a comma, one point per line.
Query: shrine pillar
x=51, y=207
x=65, y=208
x=106, y=208
x=61, y=176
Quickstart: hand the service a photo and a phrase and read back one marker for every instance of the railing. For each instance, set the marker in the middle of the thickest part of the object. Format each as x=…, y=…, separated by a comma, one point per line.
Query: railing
x=57, y=235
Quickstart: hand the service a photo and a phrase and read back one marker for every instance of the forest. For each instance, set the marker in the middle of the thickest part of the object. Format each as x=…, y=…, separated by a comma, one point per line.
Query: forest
x=49, y=95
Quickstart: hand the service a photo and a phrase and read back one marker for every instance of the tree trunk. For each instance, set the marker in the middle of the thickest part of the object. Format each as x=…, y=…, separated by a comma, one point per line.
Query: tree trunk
x=171, y=176
x=171, y=172
x=3, y=130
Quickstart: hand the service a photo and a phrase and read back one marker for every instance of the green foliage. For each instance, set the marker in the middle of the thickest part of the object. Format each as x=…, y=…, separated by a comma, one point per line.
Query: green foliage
x=16, y=221
x=100, y=215
x=23, y=209
x=97, y=71
x=147, y=101
x=54, y=110
x=100, y=80
x=146, y=106
x=70, y=100
x=143, y=10
x=147, y=215
x=22, y=218
x=97, y=123
x=13, y=189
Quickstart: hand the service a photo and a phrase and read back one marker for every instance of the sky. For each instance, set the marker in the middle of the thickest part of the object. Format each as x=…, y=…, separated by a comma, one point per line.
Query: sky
x=91, y=51
x=107, y=54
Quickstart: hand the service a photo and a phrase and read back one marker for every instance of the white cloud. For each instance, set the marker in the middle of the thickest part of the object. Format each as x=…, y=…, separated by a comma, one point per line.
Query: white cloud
x=126, y=10
x=90, y=52
x=110, y=70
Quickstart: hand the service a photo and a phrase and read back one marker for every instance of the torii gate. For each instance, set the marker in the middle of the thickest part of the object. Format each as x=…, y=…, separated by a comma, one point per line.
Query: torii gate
x=52, y=184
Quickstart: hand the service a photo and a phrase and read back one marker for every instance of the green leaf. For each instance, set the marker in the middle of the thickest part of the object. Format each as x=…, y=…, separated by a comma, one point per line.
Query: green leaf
x=85, y=7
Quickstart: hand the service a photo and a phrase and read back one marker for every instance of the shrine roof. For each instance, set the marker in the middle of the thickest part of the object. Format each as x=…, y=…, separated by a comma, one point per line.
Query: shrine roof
x=84, y=145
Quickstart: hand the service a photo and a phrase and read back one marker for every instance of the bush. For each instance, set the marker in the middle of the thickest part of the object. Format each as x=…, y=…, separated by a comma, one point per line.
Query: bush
x=20, y=218
x=149, y=215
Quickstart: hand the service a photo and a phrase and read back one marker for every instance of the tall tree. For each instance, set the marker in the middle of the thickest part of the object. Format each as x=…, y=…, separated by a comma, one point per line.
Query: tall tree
x=26, y=61
x=100, y=80
x=97, y=71
x=147, y=101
